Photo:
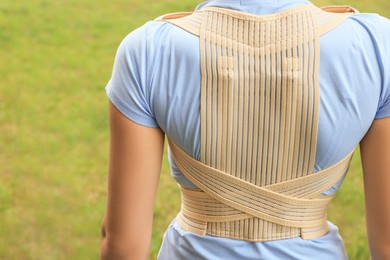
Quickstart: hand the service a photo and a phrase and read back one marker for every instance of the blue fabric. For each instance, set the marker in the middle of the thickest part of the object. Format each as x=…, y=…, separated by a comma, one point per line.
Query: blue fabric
x=179, y=244
x=156, y=83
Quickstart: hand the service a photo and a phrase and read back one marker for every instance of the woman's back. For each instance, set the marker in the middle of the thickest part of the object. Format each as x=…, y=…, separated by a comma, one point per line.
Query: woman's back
x=156, y=83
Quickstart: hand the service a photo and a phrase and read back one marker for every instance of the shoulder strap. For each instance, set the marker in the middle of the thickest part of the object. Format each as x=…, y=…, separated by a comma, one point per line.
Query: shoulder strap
x=171, y=16
x=330, y=17
x=189, y=22
x=340, y=9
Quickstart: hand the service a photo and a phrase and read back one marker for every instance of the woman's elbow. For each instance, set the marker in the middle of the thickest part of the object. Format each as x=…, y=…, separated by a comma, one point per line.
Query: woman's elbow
x=121, y=248
x=380, y=251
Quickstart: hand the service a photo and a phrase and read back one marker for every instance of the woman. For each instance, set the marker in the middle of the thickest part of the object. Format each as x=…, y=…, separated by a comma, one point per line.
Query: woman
x=155, y=89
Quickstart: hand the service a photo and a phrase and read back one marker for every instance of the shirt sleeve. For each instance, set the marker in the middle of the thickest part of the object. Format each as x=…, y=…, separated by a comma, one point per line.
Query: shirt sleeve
x=128, y=87
x=383, y=45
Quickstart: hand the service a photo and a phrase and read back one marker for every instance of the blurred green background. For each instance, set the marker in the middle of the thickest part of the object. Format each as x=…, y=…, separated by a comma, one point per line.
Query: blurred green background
x=55, y=59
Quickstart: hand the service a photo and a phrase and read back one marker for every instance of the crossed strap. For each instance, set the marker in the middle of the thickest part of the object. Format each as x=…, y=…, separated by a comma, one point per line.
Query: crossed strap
x=297, y=203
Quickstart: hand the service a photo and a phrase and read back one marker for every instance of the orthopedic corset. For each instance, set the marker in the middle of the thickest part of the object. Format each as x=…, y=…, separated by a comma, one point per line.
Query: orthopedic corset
x=259, y=122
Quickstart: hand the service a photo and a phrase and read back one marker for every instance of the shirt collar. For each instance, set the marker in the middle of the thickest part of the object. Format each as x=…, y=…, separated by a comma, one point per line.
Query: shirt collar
x=259, y=7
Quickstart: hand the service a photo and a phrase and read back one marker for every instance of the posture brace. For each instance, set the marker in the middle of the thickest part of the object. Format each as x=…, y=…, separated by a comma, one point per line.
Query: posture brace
x=259, y=123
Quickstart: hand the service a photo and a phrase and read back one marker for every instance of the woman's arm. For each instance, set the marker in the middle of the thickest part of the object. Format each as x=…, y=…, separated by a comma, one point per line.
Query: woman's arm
x=375, y=153
x=133, y=174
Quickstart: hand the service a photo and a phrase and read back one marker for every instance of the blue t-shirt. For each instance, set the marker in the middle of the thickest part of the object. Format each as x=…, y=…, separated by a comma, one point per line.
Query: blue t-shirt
x=156, y=83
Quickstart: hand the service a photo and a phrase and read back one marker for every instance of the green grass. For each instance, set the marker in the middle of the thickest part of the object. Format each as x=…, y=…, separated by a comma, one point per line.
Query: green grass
x=56, y=57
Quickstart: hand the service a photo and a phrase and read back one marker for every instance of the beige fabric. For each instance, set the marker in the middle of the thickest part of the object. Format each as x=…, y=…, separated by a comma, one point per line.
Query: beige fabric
x=327, y=17
x=229, y=207
x=259, y=119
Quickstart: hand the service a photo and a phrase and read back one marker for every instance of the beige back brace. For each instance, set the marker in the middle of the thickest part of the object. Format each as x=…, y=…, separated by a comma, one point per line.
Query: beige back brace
x=259, y=118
